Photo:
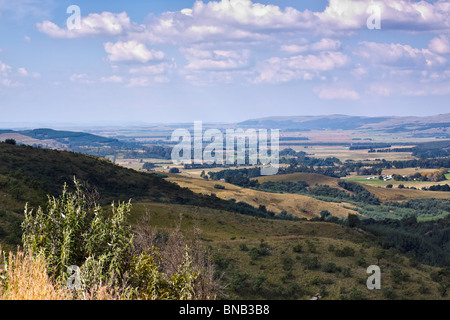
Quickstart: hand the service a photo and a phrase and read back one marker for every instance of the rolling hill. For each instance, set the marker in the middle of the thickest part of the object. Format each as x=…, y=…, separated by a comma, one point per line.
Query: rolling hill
x=345, y=122
x=296, y=204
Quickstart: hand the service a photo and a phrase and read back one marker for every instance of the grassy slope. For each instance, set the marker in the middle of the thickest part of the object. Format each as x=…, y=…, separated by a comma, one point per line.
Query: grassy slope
x=296, y=204
x=226, y=233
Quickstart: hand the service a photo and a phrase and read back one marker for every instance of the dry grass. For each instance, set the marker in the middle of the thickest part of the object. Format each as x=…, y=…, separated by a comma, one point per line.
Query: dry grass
x=296, y=204
x=405, y=194
x=25, y=278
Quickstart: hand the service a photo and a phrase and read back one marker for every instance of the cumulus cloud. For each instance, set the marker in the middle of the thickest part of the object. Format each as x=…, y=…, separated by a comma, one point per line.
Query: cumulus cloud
x=80, y=78
x=138, y=82
x=301, y=67
x=105, y=23
x=11, y=77
x=405, y=15
x=322, y=45
x=398, y=55
x=154, y=69
x=199, y=59
x=131, y=51
x=112, y=79
x=440, y=45
x=337, y=94
x=23, y=72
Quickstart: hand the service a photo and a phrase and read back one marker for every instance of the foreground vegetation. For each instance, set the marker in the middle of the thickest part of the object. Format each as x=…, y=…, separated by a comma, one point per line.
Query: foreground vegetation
x=72, y=249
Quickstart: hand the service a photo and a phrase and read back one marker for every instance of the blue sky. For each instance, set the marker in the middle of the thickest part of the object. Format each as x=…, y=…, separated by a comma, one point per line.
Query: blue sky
x=221, y=61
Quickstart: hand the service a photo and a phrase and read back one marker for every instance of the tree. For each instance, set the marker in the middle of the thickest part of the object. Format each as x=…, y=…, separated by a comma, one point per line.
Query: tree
x=353, y=221
x=148, y=166
x=379, y=254
x=174, y=170
x=11, y=141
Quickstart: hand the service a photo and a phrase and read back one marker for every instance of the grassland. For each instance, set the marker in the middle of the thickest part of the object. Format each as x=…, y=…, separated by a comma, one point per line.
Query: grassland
x=281, y=272
x=296, y=204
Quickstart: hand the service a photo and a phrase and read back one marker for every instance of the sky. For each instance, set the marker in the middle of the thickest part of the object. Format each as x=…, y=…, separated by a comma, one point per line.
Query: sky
x=221, y=61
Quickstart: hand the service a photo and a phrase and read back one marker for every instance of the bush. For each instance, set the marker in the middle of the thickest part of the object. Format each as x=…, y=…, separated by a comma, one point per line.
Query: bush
x=255, y=253
x=219, y=186
x=330, y=267
x=68, y=233
x=345, y=252
x=297, y=248
x=310, y=263
x=174, y=170
x=243, y=247
x=11, y=141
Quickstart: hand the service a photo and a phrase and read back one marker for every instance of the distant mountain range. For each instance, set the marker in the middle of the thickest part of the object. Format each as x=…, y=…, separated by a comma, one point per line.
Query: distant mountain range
x=345, y=122
x=55, y=139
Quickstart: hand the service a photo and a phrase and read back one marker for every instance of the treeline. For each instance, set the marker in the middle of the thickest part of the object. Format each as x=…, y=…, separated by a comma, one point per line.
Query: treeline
x=435, y=163
x=240, y=177
x=431, y=153
x=427, y=241
x=444, y=187
x=359, y=192
x=363, y=146
x=436, y=176
x=335, y=171
x=392, y=150
x=284, y=186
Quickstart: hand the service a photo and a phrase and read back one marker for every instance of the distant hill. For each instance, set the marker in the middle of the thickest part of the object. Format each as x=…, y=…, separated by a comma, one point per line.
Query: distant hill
x=58, y=139
x=345, y=122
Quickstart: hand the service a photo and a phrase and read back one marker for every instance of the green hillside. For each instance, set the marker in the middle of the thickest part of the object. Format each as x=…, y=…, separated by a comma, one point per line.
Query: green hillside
x=29, y=174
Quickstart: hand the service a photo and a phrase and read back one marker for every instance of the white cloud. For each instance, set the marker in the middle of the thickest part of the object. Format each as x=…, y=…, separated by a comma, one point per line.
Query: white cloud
x=199, y=59
x=105, y=23
x=440, y=45
x=23, y=72
x=301, y=67
x=337, y=94
x=398, y=55
x=131, y=51
x=80, y=78
x=394, y=14
x=112, y=79
x=154, y=69
x=324, y=44
x=139, y=82
x=9, y=75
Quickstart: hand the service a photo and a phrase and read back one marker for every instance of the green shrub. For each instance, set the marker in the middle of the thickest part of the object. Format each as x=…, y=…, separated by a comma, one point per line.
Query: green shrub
x=67, y=233
x=297, y=248
x=345, y=252
x=255, y=253
x=310, y=263
x=243, y=247
x=330, y=267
